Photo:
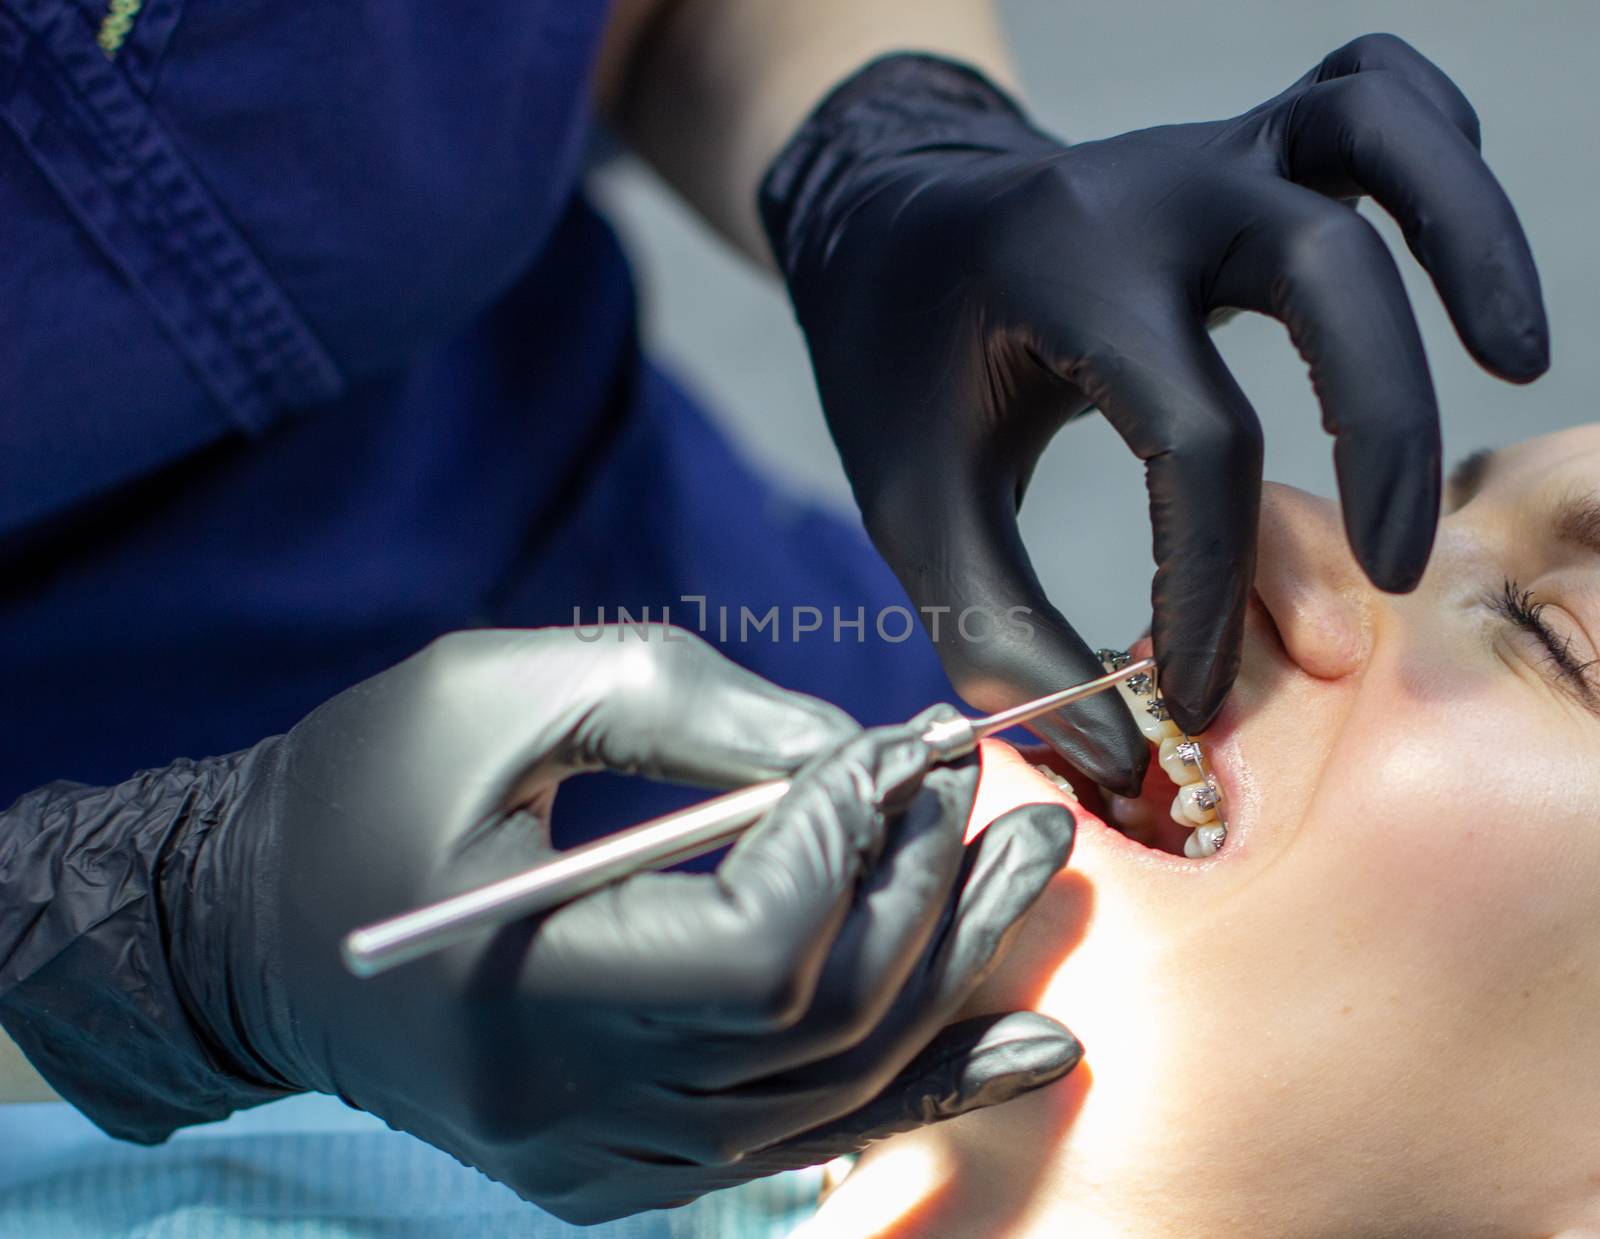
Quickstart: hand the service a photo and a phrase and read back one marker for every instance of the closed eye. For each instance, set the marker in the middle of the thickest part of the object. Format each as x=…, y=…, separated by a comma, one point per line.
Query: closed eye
x=1521, y=608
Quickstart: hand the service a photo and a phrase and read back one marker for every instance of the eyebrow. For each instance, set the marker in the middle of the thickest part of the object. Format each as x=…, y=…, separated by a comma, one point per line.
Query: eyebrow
x=1467, y=476
x=1576, y=521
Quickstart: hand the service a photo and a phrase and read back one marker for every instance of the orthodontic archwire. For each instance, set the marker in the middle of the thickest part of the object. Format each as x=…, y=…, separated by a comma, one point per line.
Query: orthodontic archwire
x=1142, y=695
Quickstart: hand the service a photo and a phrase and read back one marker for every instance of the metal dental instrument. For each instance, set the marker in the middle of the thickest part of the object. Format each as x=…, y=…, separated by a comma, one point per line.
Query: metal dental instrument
x=650, y=845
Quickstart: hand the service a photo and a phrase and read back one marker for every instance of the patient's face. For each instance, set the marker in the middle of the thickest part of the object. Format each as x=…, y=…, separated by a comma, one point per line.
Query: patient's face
x=1377, y=1009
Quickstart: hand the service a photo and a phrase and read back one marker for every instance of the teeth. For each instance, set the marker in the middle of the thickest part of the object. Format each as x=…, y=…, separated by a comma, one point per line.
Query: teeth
x=1113, y=660
x=1196, y=804
x=1181, y=759
x=1204, y=841
x=1148, y=710
x=1165, y=727
x=1150, y=715
x=1199, y=799
x=1060, y=780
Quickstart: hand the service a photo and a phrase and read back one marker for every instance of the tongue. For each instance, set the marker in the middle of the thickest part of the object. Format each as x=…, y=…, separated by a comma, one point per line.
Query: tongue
x=1147, y=817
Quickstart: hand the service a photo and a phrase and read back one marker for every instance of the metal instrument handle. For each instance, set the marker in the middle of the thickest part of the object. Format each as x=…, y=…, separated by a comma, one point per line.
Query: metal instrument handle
x=650, y=845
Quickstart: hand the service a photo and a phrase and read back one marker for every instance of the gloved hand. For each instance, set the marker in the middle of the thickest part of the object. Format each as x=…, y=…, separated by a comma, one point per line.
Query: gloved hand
x=655, y=1040
x=967, y=283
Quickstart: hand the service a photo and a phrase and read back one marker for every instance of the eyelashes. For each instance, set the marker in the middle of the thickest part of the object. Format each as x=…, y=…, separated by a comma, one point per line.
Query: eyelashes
x=1521, y=608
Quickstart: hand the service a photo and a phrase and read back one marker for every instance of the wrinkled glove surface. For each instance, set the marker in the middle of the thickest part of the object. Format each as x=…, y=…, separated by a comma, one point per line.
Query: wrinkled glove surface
x=967, y=284
x=169, y=949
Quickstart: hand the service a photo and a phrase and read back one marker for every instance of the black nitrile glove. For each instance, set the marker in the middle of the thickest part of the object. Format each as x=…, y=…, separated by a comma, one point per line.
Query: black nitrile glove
x=169, y=949
x=967, y=284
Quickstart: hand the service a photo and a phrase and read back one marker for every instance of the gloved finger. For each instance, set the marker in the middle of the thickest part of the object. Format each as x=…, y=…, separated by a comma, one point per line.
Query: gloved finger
x=896, y=911
x=1376, y=133
x=978, y=1062
x=510, y=712
x=1324, y=272
x=1166, y=391
x=1006, y=870
x=954, y=543
x=1386, y=51
x=671, y=707
x=741, y=948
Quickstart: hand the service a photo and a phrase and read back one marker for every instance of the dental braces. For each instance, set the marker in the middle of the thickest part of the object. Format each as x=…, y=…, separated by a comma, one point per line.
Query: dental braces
x=1199, y=803
x=1113, y=660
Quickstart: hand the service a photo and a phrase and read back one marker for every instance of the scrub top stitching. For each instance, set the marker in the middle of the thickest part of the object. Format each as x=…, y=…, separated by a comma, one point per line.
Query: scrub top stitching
x=108, y=157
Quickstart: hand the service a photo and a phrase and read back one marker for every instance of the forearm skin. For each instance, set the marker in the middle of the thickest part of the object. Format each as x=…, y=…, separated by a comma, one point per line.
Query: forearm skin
x=708, y=91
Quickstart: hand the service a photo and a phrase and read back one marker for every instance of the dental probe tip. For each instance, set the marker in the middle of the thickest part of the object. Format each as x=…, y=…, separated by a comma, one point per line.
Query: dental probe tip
x=1052, y=702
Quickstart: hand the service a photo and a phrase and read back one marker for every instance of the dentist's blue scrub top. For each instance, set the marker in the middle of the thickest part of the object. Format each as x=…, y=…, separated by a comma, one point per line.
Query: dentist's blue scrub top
x=311, y=350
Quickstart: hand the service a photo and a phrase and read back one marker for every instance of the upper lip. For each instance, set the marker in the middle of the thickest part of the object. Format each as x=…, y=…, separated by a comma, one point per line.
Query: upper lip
x=1259, y=626
x=1261, y=634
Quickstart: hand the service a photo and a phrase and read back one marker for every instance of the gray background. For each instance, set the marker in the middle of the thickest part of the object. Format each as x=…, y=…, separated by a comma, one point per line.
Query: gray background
x=1095, y=69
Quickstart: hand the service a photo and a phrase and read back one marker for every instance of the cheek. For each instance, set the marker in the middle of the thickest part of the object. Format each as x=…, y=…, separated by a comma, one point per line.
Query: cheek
x=1448, y=854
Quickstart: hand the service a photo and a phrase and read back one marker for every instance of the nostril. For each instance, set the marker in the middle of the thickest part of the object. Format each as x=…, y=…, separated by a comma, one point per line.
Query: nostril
x=1308, y=581
x=1325, y=633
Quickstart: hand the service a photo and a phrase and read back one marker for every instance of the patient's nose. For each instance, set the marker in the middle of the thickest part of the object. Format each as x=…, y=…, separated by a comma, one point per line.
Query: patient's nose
x=1311, y=584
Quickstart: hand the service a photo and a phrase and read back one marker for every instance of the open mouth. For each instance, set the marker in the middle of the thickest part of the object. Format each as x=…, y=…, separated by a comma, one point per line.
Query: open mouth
x=1179, y=810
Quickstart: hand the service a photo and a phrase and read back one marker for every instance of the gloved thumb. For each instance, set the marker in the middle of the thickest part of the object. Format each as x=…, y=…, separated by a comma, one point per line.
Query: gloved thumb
x=974, y=1063
x=971, y=1064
